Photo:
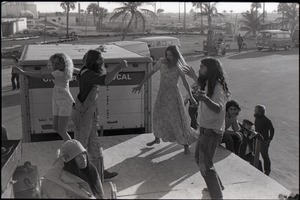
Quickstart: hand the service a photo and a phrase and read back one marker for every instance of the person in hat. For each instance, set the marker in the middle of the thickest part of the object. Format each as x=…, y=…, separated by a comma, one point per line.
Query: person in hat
x=72, y=175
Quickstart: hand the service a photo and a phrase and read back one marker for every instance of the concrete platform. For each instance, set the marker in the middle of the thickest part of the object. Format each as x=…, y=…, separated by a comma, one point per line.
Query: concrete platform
x=163, y=171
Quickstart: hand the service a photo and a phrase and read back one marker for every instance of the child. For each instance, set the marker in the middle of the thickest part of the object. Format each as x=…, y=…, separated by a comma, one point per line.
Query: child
x=193, y=108
x=62, y=100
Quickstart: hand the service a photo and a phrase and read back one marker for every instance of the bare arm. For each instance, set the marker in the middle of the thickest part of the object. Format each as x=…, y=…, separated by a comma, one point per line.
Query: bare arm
x=139, y=87
x=76, y=71
x=111, y=75
x=201, y=96
x=187, y=87
x=33, y=74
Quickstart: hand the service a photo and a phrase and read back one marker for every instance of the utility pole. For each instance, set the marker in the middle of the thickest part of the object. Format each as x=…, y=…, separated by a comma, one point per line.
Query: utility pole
x=263, y=12
x=184, y=16
x=179, y=11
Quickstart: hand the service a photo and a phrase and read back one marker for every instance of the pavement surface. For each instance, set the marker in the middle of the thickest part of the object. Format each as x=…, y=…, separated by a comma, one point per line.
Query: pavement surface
x=247, y=61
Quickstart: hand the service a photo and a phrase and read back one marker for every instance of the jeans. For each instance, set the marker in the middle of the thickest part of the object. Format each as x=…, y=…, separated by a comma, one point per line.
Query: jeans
x=264, y=150
x=206, y=147
x=85, y=118
x=232, y=143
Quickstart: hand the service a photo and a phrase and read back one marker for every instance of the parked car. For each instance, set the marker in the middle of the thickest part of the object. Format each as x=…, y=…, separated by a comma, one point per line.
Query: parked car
x=54, y=31
x=36, y=30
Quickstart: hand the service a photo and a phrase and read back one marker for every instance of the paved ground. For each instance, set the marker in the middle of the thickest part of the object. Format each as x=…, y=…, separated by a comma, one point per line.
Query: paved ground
x=270, y=77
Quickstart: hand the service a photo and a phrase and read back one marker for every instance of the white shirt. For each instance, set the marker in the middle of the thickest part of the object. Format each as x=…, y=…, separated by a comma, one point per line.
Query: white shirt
x=210, y=119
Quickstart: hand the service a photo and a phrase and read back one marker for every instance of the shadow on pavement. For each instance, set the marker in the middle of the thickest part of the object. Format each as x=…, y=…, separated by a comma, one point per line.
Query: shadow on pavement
x=256, y=54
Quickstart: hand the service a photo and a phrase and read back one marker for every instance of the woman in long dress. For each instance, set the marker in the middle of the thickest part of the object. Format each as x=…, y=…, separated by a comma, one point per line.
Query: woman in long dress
x=170, y=119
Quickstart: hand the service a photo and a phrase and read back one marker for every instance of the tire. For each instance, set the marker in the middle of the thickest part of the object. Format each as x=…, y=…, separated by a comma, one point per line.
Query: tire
x=273, y=47
x=259, y=49
x=287, y=47
x=54, y=34
x=73, y=34
x=205, y=53
x=26, y=32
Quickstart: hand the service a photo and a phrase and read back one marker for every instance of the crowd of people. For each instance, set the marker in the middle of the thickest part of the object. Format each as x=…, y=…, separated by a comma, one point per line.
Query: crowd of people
x=75, y=173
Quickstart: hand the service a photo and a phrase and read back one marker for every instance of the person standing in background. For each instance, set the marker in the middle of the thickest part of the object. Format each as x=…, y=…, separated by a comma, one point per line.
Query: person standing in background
x=264, y=126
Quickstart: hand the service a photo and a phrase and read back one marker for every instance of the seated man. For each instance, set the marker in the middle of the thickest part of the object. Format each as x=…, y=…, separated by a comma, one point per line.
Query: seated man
x=232, y=138
x=247, y=149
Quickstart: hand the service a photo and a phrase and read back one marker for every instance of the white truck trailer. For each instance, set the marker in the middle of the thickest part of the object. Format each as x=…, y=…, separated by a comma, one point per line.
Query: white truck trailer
x=119, y=108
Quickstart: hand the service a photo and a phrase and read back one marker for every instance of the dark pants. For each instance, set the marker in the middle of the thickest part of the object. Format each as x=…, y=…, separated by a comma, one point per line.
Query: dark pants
x=206, y=147
x=13, y=77
x=232, y=143
x=240, y=47
x=264, y=150
x=193, y=112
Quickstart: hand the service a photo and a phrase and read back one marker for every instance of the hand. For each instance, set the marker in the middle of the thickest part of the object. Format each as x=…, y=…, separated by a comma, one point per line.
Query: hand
x=193, y=101
x=200, y=95
x=240, y=135
x=124, y=64
x=137, y=89
x=189, y=71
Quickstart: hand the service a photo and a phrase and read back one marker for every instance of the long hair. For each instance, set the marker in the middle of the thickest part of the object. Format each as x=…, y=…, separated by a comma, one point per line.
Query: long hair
x=214, y=73
x=90, y=62
x=180, y=62
x=67, y=62
x=89, y=174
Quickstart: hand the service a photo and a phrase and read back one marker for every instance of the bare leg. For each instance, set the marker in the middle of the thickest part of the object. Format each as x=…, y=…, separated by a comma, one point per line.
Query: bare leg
x=62, y=125
x=155, y=141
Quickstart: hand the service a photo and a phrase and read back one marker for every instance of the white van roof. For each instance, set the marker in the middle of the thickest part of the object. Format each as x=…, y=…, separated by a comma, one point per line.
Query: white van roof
x=154, y=38
x=39, y=54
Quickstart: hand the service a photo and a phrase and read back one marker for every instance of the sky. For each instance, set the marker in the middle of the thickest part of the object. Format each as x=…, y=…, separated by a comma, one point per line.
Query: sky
x=236, y=7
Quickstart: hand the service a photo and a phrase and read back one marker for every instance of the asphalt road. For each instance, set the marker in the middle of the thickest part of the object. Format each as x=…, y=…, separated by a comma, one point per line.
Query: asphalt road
x=268, y=78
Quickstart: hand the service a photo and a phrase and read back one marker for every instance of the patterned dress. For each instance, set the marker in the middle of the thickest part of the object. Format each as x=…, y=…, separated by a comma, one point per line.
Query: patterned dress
x=170, y=119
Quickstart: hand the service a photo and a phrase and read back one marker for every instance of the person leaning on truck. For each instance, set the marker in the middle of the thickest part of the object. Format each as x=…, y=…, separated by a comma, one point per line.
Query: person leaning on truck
x=85, y=110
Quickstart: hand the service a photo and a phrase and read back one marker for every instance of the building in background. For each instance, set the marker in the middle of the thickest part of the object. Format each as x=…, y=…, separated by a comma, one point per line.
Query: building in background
x=19, y=9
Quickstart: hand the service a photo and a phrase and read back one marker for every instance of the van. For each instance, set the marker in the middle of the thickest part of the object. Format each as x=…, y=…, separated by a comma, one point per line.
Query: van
x=158, y=44
x=134, y=46
x=295, y=37
x=273, y=39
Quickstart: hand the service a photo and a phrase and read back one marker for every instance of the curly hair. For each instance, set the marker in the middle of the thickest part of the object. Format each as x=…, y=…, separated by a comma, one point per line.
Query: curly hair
x=233, y=103
x=67, y=62
x=214, y=73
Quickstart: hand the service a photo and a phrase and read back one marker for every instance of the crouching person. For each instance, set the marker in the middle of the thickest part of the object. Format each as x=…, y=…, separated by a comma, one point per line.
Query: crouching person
x=72, y=175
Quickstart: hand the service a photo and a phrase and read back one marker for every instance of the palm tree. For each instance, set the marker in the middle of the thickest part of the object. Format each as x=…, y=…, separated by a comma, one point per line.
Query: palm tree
x=136, y=14
x=250, y=22
x=66, y=6
x=290, y=14
x=256, y=6
x=93, y=8
x=210, y=10
x=199, y=5
x=103, y=12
